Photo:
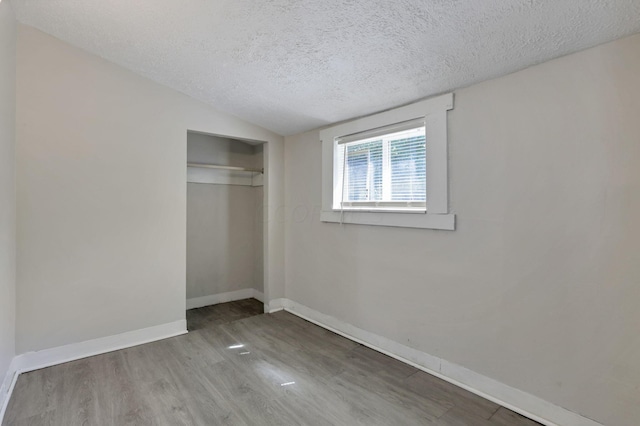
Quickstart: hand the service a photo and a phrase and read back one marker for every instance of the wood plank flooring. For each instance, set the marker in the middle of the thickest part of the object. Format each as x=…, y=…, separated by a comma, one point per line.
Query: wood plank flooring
x=240, y=367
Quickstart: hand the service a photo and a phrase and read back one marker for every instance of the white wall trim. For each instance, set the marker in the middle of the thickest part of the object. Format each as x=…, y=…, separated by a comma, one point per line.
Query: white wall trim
x=445, y=222
x=31, y=361
x=507, y=396
x=6, y=389
x=276, y=305
x=514, y=399
x=45, y=358
x=214, y=299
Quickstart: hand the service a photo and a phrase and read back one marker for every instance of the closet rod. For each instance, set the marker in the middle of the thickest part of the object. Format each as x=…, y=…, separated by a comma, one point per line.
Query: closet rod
x=216, y=166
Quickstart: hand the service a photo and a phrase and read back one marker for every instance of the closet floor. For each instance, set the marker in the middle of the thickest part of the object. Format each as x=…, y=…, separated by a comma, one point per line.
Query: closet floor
x=240, y=367
x=222, y=313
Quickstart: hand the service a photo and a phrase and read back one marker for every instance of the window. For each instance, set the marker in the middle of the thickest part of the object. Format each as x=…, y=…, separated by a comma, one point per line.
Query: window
x=390, y=168
x=382, y=169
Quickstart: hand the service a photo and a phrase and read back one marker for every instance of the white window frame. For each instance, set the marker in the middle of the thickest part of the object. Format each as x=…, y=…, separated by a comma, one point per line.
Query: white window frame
x=437, y=216
x=379, y=134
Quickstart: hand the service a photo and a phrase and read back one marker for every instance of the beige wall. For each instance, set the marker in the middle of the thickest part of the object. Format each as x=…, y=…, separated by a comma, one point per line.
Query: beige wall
x=7, y=188
x=224, y=232
x=539, y=285
x=101, y=166
x=220, y=238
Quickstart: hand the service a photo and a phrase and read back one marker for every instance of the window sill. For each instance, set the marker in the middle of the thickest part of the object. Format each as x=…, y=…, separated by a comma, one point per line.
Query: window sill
x=420, y=210
x=445, y=222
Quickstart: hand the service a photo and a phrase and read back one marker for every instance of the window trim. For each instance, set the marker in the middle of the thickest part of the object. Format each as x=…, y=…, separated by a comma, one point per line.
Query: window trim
x=434, y=112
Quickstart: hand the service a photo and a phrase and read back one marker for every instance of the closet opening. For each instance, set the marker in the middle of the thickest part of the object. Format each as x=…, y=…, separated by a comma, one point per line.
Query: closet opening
x=225, y=229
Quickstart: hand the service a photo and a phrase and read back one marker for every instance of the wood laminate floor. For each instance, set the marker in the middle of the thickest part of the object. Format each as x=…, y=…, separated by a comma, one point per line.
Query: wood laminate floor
x=240, y=367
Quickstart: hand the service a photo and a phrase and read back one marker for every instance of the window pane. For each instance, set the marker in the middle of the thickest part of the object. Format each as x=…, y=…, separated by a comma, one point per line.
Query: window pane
x=364, y=171
x=357, y=170
x=408, y=169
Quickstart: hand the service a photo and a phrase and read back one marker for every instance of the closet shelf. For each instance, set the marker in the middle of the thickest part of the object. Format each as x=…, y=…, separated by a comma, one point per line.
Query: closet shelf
x=216, y=166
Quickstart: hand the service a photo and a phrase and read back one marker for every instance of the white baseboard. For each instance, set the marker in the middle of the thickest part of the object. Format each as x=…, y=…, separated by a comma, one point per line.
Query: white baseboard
x=521, y=402
x=6, y=388
x=31, y=361
x=214, y=299
x=276, y=305
x=36, y=360
x=514, y=399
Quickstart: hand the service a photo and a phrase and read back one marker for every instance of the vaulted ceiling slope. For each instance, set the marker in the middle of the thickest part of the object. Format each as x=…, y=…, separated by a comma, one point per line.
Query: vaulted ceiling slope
x=293, y=65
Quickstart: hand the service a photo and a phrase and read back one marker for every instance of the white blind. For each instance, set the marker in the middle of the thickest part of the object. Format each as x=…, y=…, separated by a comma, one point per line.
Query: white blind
x=383, y=168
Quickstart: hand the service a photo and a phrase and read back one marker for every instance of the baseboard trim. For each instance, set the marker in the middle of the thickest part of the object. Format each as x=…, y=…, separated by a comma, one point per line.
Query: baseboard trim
x=521, y=402
x=214, y=299
x=6, y=389
x=31, y=361
x=514, y=399
x=276, y=305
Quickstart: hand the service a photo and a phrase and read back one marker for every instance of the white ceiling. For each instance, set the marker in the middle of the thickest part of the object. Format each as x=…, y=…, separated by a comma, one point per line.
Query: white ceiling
x=292, y=65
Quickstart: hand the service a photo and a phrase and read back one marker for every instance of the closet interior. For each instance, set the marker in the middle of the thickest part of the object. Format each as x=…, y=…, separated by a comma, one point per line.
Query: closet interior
x=224, y=220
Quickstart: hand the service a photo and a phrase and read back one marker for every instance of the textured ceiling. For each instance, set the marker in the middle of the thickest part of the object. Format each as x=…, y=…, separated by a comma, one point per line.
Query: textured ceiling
x=292, y=65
